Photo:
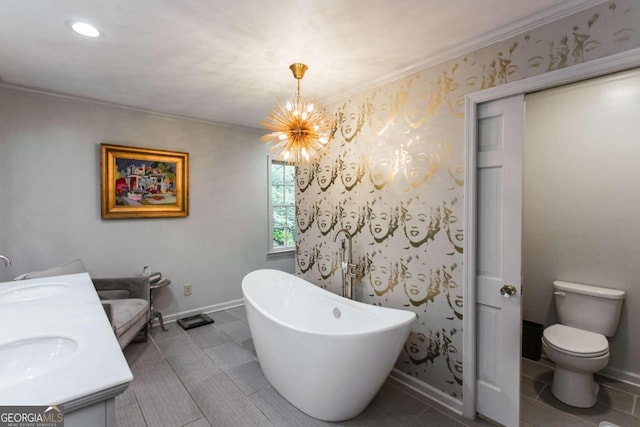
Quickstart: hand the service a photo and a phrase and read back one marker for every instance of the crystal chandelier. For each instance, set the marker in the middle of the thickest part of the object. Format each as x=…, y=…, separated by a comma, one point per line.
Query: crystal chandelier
x=300, y=131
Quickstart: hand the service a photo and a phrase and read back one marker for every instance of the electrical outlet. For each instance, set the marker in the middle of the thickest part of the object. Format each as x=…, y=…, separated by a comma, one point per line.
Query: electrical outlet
x=188, y=290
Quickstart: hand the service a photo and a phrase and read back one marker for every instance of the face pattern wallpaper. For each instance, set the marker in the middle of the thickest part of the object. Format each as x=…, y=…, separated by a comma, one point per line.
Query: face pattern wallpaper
x=393, y=176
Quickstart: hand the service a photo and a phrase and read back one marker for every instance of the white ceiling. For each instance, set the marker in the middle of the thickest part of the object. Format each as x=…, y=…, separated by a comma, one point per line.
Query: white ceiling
x=227, y=60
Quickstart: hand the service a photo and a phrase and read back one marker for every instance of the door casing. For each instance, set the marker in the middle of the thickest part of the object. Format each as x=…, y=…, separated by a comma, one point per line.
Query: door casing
x=598, y=67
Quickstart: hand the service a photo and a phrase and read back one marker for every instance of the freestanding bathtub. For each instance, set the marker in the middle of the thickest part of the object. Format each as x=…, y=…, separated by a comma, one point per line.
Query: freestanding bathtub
x=325, y=354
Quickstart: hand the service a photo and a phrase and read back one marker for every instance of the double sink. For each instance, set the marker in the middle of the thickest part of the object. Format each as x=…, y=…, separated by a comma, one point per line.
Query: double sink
x=56, y=344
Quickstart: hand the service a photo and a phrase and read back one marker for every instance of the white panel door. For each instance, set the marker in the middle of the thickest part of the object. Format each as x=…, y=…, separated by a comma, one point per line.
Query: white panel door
x=500, y=130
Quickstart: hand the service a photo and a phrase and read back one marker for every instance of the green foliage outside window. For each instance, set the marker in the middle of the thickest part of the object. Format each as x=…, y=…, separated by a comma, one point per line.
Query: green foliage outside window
x=283, y=205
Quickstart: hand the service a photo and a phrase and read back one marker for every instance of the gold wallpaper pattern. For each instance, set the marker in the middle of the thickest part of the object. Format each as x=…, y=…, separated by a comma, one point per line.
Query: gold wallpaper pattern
x=394, y=176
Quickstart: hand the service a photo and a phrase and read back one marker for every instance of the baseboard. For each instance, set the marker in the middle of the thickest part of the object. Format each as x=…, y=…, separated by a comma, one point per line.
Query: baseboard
x=620, y=375
x=428, y=391
x=170, y=318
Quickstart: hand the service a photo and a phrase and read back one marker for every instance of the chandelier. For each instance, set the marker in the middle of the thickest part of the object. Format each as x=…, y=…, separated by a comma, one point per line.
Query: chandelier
x=300, y=131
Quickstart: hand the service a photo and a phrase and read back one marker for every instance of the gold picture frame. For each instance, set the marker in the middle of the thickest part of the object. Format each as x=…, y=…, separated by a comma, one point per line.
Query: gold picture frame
x=143, y=182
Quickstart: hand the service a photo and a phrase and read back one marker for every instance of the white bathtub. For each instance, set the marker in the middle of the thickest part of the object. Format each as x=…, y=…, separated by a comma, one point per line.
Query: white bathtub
x=325, y=354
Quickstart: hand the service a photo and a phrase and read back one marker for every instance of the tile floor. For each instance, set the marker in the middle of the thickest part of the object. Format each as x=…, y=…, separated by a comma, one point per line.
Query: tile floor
x=209, y=376
x=618, y=403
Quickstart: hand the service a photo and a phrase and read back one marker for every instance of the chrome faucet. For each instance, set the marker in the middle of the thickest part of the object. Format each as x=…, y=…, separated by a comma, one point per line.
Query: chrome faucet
x=6, y=260
x=348, y=267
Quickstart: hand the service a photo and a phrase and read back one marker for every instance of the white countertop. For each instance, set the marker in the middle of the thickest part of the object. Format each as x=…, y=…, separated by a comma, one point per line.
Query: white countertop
x=59, y=347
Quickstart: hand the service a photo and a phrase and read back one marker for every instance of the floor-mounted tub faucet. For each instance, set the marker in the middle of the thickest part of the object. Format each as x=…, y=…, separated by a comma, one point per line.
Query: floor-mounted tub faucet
x=348, y=267
x=6, y=260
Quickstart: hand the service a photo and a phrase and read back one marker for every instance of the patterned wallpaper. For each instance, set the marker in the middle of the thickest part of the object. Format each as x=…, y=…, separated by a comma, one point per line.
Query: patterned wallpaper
x=394, y=176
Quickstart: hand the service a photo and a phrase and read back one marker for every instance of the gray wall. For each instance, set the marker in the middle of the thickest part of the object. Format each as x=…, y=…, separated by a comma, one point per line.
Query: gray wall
x=4, y=202
x=581, y=200
x=50, y=197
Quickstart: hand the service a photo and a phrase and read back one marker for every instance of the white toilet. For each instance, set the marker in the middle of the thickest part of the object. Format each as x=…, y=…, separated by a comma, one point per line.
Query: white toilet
x=578, y=344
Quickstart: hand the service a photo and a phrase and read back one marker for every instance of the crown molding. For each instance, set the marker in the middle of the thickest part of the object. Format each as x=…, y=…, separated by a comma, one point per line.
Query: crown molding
x=160, y=114
x=447, y=53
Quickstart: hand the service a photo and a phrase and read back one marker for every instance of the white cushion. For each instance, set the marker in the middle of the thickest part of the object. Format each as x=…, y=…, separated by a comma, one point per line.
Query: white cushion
x=126, y=312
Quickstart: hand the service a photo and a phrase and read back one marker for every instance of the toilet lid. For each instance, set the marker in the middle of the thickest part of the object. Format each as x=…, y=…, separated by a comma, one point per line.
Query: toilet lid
x=576, y=341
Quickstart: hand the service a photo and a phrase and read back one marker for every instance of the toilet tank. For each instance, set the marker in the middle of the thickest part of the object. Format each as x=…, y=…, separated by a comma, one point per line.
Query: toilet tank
x=587, y=307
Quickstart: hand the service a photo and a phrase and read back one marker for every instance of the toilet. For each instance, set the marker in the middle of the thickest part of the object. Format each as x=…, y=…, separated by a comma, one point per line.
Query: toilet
x=578, y=344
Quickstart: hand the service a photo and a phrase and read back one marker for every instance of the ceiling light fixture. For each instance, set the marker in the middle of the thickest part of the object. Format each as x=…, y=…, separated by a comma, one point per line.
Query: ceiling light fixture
x=300, y=131
x=84, y=29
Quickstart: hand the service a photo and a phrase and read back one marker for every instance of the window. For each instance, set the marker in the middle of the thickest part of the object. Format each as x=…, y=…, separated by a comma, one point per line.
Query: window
x=282, y=206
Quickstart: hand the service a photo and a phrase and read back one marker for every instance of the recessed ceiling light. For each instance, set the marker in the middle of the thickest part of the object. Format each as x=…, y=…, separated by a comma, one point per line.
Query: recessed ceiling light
x=84, y=29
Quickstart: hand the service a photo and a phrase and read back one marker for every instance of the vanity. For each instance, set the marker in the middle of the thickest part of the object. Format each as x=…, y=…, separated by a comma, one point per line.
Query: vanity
x=57, y=348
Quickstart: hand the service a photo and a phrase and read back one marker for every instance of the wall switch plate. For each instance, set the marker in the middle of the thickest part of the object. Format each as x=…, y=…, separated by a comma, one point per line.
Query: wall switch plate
x=188, y=290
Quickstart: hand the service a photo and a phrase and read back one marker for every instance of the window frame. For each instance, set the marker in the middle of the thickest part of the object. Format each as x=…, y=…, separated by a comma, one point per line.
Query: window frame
x=271, y=160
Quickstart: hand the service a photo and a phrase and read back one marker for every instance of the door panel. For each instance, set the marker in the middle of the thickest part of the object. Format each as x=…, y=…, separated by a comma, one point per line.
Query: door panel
x=499, y=242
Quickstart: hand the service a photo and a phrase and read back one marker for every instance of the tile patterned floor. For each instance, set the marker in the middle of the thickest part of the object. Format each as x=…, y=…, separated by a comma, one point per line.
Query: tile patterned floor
x=209, y=376
x=618, y=403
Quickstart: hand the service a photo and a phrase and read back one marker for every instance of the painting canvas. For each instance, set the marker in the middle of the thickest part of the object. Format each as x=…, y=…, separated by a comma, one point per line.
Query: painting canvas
x=143, y=183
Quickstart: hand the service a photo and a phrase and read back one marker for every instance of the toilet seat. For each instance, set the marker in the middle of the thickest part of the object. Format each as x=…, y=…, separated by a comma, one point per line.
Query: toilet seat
x=575, y=342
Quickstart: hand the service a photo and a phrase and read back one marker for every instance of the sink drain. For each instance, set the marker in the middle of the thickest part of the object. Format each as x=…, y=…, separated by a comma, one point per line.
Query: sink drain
x=336, y=313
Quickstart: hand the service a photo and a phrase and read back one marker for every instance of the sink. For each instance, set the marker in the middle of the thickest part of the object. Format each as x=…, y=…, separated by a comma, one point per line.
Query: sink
x=32, y=292
x=30, y=358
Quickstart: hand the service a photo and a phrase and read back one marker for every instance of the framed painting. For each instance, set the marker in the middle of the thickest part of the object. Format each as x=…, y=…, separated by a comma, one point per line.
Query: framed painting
x=143, y=182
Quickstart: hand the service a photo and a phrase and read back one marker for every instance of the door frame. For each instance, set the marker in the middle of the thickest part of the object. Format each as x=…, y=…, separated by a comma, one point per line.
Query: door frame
x=595, y=68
